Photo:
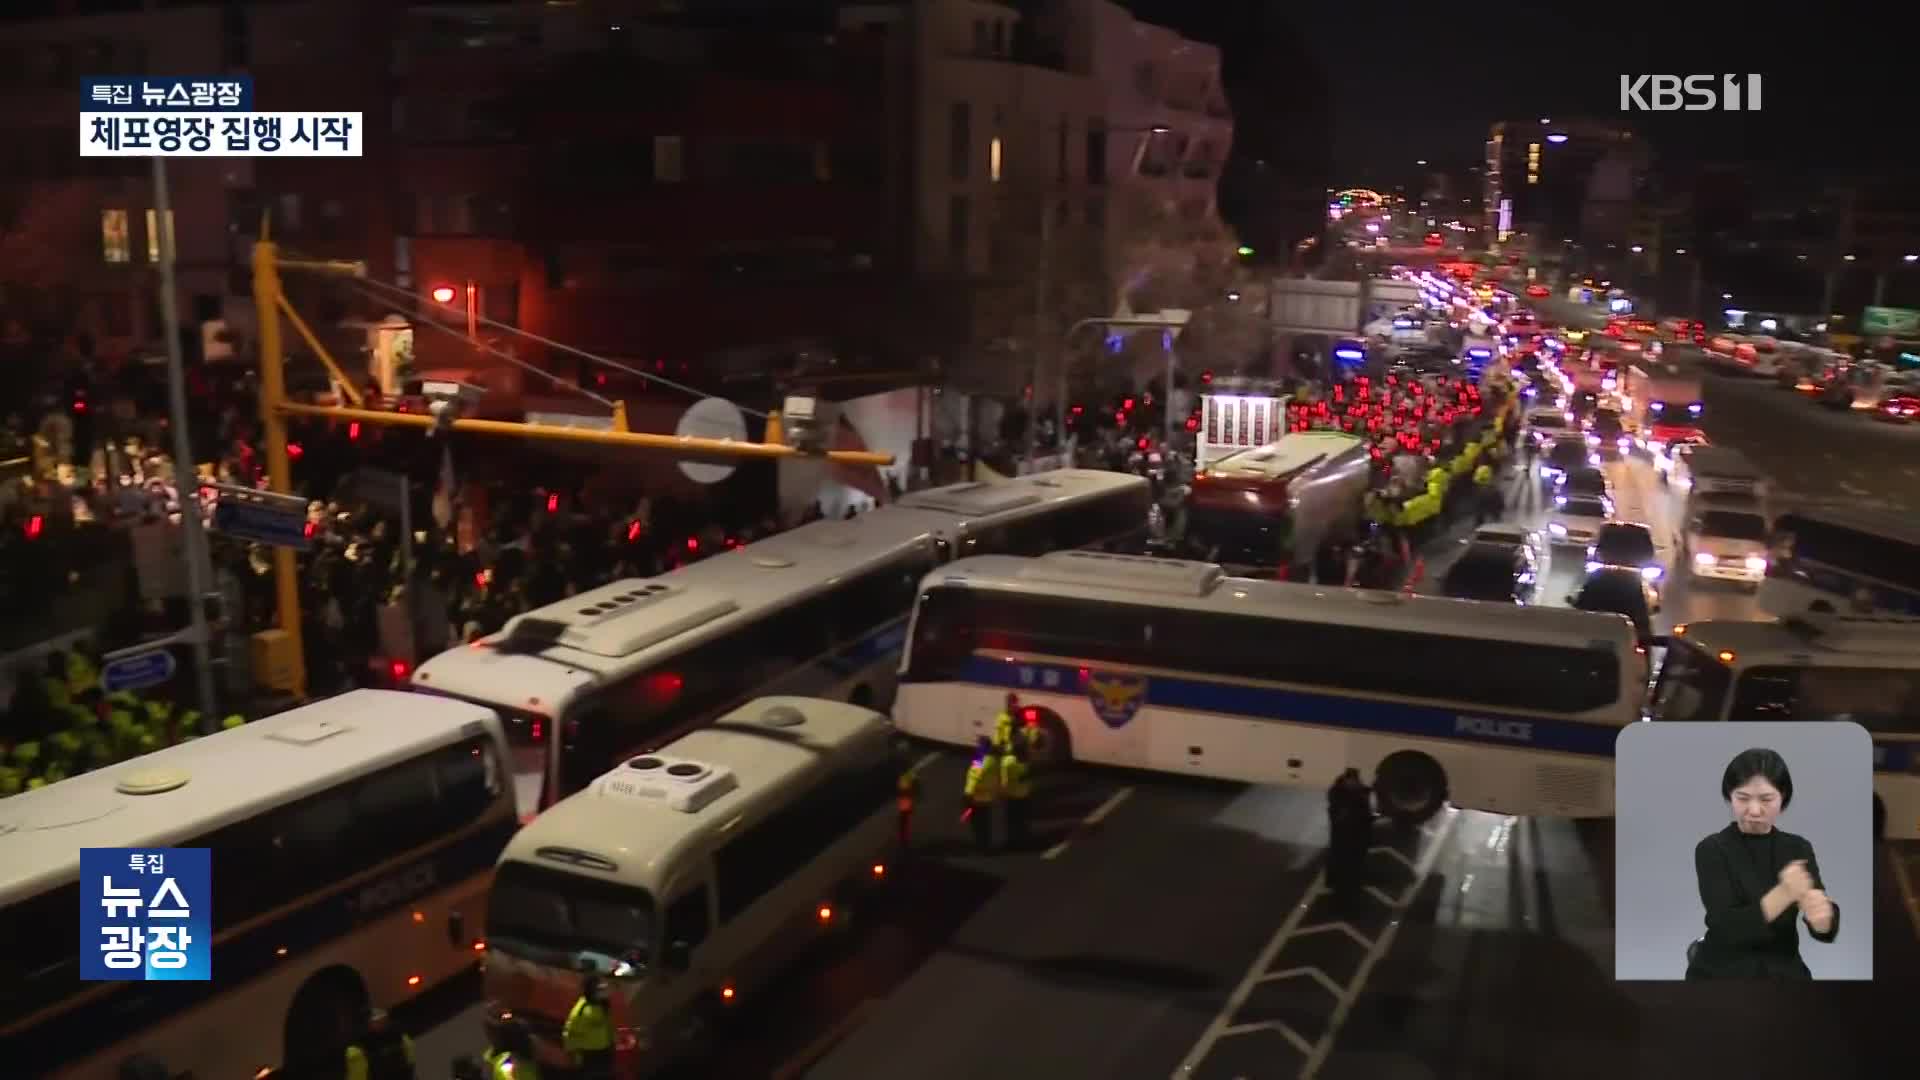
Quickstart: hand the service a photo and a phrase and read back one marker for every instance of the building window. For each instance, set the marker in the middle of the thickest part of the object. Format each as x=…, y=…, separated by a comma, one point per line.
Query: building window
x=959, y=140
x=959, y=224
x=1062, y=138
x=669, y=159
x=114, y=244
x=1096, y=154
x=154, y=234
x=994, y=159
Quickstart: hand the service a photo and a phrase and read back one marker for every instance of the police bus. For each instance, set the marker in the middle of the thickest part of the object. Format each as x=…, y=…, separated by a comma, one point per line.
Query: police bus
x=1843, y=560
x=1829, y=667
x=351, y=842
x=1175, y=667
x=691, y=877
x=818, y=610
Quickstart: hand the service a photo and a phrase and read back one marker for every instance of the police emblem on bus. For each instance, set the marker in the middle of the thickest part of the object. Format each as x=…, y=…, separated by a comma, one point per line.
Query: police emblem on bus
x=1116, y=698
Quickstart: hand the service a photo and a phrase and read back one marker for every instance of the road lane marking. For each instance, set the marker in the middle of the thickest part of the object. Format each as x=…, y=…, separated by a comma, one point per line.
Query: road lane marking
x=1316, y=1051
x=1094, y=817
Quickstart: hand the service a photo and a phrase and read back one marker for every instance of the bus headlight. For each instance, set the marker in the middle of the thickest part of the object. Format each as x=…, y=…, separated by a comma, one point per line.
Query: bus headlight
x=1557, y=529
x=1757, y=564
x=1701, y=558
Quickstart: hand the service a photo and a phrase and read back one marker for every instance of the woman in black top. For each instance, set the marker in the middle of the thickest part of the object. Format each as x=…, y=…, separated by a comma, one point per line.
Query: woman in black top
x=1753, y=877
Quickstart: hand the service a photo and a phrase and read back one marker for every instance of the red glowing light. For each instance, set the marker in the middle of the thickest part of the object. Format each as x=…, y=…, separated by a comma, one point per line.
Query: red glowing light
x=353, y=430
x=399, y=669
x=693, y=543
x=633, y=531
x=294, y=450
x=553, y=504
x=1126, y=403
x=35, y=525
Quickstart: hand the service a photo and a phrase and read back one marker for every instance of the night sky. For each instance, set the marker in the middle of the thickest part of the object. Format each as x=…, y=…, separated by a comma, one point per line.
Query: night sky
x=1408, y=81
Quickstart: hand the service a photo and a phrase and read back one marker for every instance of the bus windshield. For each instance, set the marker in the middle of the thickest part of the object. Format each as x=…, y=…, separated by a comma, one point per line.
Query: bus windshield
x=533, y=910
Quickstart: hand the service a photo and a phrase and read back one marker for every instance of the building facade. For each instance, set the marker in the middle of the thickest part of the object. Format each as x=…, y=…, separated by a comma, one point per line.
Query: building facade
x=1554, y=183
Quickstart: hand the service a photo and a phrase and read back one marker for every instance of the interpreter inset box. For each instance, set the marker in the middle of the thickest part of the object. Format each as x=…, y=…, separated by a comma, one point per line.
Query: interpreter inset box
x=1743, y=851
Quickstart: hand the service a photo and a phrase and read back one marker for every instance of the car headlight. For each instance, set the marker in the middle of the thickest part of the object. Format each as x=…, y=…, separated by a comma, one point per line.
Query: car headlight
x=1651, y=573
x=1593, y=440
x=1701, y=558
x=1557, y=529
x=1757, y=564
x=1593, y=459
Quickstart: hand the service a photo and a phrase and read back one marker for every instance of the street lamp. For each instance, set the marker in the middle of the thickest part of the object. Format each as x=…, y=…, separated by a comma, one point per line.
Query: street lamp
x=1637, y=249
x=1910, y=258
x=1848, y=258
x=443, y=294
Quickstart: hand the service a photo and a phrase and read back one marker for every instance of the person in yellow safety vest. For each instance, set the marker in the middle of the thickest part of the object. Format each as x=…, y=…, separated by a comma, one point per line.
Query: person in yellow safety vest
x=588, y=1033
x=381, y=1052
x=1486, y=496
x=1016, y=783
x=1003, y=724
x=982, y=791
x=510, y=1056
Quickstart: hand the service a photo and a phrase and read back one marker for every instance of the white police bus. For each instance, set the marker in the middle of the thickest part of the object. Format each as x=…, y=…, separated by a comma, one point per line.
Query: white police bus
x=818, y=610
x=693, y=876
x=1843, y=560
x=1860, y=668
x=1172, y=666
x=351, y=842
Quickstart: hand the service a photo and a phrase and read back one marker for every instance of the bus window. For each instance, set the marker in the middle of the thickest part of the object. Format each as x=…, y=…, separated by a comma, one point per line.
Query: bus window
x=687, y=918
x=1878, y=699
x=943, y=634
x=393, y=812
x=1692, y=684
x=878, y=597
x=546, y=909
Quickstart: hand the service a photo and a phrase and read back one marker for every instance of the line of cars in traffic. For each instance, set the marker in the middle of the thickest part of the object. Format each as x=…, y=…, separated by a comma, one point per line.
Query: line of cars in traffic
x=1838, y=380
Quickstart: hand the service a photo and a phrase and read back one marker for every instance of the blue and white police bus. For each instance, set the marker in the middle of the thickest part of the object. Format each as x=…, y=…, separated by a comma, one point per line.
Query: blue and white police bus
x=351, y=844
x=1826, y=667
x=817, y=611
x=1175, y=667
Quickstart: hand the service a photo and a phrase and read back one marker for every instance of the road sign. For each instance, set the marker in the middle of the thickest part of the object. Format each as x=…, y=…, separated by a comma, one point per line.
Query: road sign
x=138, y=671
x=711, y=418
x=262, y=517
x=1891, y=321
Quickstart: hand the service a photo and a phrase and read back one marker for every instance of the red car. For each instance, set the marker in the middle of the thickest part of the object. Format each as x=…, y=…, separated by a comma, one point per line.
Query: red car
x=1536, y=291
x=1899, y=409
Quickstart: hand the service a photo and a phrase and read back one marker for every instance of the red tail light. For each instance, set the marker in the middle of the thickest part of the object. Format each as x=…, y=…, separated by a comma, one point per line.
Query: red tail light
x=1030, y=715
x=35, y=525
x=399, y=669
x=693, y=543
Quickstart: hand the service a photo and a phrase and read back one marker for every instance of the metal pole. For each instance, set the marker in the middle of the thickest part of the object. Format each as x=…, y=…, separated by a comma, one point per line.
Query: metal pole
x=199, y=572
x=1880, y=289
x=273, y=426
x=473, y=312
x=1039, y=321
x=1166, y=446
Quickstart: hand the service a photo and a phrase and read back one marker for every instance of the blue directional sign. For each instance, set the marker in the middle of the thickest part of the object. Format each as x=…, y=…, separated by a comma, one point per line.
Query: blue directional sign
x=137, y=672
x=262, y=517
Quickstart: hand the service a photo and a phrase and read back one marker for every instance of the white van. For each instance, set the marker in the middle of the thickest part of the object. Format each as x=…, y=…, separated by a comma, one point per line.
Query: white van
x=690, y=877
x=1725, y=538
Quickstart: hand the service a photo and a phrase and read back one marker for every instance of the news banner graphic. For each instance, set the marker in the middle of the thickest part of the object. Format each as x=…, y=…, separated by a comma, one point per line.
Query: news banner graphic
x=203, y=117
x=146, y=915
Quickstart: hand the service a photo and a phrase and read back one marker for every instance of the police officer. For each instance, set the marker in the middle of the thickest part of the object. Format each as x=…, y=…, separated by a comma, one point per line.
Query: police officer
x=982, y=792
x=588, y=1034
x=1486, y=495
x=381, y=1052
x=513, y=1057
x=1003, y=725
x=1016, y=784
x=1349, y=834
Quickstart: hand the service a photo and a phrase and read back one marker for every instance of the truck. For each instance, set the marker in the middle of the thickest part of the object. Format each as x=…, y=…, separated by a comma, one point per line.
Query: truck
x=1715, y=470
x=1662, y=403
x=1281, y=503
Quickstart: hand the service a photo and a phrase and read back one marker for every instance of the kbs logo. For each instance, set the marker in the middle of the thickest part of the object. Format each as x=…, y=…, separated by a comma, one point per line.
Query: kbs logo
x=1689, y=93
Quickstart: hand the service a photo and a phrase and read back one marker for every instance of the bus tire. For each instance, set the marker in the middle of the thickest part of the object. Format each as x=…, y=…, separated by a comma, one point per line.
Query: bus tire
x=323, y=1015
x=1052, y=744
x=1879, y=819
x=1410, y=786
